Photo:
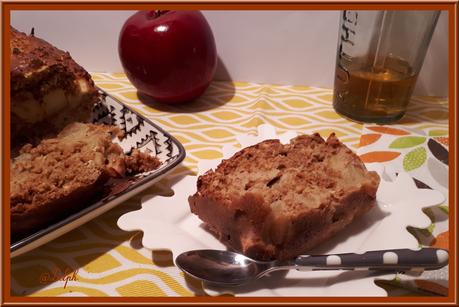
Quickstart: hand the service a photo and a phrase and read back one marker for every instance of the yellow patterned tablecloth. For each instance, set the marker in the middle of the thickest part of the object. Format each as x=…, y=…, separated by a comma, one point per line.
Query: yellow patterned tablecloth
x=99, y=259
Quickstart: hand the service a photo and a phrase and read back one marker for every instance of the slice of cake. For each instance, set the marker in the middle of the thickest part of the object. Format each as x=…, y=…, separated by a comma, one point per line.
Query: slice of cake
x=275, y=201
x=65, y=174
x=48, y=89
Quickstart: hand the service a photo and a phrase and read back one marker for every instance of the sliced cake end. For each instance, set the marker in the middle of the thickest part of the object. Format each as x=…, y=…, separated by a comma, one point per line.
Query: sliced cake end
x=61, y=175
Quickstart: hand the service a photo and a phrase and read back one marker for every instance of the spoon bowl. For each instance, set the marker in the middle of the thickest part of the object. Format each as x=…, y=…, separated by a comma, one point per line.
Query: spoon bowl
x=221, y=267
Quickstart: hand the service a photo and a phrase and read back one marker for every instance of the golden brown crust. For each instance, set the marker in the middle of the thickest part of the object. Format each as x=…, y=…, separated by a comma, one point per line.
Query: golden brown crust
x=34, y=59
x=48, y=89
x=277, y=201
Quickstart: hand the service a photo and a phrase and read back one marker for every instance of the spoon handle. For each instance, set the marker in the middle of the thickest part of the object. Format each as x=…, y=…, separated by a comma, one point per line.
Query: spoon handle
x=391, y=259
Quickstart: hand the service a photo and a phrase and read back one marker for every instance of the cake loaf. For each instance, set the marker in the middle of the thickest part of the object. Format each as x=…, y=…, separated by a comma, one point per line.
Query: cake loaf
x=48, y=89
x=274, y=201
x=64, y=174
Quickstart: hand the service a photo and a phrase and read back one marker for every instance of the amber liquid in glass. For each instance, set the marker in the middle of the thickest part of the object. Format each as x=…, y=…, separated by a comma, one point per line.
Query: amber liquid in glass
x=375, y=95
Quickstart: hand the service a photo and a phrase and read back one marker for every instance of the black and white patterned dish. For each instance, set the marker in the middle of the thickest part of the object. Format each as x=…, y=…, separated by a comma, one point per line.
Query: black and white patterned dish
x=138, y=133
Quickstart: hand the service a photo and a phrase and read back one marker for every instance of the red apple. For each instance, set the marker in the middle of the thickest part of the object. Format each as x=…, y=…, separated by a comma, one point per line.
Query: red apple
x=168, y=55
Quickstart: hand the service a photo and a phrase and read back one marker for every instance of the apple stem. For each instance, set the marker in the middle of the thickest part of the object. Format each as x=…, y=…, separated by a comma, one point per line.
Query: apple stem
x=157, y=13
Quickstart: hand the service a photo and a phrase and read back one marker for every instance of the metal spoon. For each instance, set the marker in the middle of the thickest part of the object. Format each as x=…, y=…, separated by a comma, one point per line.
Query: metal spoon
x=230, y=269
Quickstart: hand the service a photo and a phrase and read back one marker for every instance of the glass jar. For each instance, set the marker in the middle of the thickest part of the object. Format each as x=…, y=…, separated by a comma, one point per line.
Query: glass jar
x=380, y=54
